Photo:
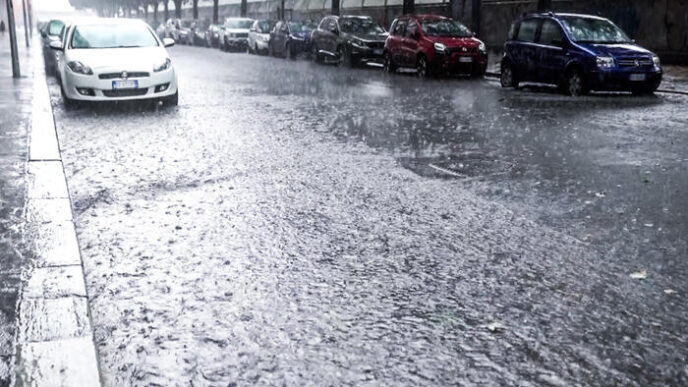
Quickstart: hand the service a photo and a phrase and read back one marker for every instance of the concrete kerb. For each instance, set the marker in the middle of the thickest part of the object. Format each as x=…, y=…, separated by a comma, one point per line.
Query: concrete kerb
x=55, y=345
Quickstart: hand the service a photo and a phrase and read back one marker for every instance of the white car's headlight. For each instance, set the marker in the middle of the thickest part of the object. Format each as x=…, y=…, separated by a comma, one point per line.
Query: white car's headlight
x=358, y=43
x=79, y=68
x=605, y=62
x=163, y=66
x=440, y=47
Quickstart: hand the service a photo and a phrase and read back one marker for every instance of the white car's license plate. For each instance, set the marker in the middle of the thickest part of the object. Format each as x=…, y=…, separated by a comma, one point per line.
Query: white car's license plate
x=377, y=51
x=128, y=84
x=637, y=77
x=466, y=59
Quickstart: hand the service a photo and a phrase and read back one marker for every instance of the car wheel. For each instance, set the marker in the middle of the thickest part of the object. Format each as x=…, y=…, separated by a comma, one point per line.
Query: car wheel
x=289, y=53
x=389, y=66
x=422, y=67
x=508, y=78
x=315, y=54
x=68, y=103
x=271, y=51
x=172, y=100
x=342, y=57
x=575, y=83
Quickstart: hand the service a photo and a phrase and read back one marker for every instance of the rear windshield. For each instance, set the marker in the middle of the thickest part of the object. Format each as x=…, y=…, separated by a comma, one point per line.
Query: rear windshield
x=295, y=27
x=113, y=36
x=588, y=30
x=445, y=28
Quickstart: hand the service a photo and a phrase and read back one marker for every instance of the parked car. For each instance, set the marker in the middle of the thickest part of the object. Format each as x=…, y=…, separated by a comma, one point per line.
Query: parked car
x=433, y=45
x=172, y=27
x=235, y=34
x=160, y=30
x=51, y=31
x=290, y=39
x=350, y=40
x=185, y=31
x=115, y=59
x=198, y=30
x=259, y=36
x=213, y=35
x=579, y=53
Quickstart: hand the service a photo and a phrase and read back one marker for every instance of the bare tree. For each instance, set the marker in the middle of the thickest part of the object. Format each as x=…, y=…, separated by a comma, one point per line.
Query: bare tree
x=195, y=9
x=544, y=5
x=216, y=11
x=177, y=8
x=166, y=4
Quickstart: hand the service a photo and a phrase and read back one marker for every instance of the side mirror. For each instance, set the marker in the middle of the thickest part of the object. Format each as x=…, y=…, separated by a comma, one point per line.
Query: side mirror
x=168, y=42
x=56, y=45
x=44, y=34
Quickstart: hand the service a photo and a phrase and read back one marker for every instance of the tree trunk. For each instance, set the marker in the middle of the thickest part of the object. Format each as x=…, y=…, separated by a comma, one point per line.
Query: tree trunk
x=544, y=5
x=244, y=8
x=155, y=12
x=167, y=10
x=178, y=9
x=216, y=11
x=476, y=5
x=195, y=9
x=335, y=7
x=408, y=7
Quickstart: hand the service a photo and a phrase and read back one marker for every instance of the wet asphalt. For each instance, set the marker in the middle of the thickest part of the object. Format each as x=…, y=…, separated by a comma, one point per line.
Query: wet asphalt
x=297, y=224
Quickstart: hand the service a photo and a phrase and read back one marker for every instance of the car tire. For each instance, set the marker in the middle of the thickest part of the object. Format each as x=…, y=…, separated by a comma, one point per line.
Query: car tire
x=389, y=66
x=422, y=69
x=68, y=103
x=271, y=51
x=172, y=100
x=316, y=55
x=508, y=76
x=575, y=83
x=288, y=53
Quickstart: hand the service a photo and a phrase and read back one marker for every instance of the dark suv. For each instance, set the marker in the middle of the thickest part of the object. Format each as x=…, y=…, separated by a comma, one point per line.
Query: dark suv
x=290, y=38
x=434, y=44
x=349, y=40
x=579, y=53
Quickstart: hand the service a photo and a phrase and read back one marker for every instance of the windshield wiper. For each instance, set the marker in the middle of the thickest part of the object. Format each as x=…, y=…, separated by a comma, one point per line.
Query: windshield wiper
x=123, y=46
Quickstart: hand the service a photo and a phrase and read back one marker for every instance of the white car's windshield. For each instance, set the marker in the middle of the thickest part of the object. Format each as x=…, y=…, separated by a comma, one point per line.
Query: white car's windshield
x=238, y=24
x=113, y=36
x=588, y=30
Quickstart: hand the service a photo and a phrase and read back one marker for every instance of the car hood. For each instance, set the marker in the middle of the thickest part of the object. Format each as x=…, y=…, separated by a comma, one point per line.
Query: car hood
x=456, y=42
x=119, y=59
x=302, y=34
x=615, y=49
x=236, y=30
x=370, y=37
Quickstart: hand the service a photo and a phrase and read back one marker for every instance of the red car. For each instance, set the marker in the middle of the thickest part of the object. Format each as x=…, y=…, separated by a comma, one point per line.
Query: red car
x=432, y=45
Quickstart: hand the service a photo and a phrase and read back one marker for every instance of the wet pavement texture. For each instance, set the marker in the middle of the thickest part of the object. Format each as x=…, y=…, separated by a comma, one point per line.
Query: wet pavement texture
x=298, y=224
x=15, y=112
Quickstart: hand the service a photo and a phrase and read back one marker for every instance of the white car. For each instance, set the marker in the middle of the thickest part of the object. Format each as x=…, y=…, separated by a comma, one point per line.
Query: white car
x=114, y=60
x=235, y=34
x=259, y=36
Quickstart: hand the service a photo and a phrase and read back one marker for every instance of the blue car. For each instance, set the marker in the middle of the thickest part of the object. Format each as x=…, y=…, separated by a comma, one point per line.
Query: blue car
x=578, y=53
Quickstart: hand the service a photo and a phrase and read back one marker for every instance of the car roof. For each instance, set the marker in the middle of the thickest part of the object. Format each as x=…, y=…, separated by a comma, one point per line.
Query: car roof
x=355, y=17
x=105, y=21
x=560, y=15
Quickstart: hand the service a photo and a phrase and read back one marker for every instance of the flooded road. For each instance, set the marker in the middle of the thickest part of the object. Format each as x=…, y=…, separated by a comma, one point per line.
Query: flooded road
x=297, y=224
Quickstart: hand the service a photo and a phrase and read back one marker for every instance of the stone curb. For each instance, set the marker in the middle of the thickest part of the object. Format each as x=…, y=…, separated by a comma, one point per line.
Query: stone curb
x=55, y=344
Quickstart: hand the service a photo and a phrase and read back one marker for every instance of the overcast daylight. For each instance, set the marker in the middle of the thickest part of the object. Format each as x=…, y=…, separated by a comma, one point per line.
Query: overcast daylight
x=326, y=193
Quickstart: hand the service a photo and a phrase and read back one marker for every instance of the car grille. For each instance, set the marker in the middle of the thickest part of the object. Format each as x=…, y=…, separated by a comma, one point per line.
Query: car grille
x=467, y=50
x=376, y=44
x=239, y=35
x=133, y=74
x=631, y=62
x=124, y=92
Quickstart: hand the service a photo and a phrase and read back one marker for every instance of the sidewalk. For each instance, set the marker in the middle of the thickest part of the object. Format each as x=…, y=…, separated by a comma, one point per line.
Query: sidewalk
x=15, y=118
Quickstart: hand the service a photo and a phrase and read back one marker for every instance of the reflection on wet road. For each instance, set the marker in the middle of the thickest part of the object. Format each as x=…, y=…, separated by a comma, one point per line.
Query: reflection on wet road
x=296, y=224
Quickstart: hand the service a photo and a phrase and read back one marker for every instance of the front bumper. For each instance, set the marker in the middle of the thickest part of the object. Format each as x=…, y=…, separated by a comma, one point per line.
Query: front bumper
x=261, y=45
x=620, y=79
x=92, y=88
x=461, y=63
x=236, y=42
x=368, y=54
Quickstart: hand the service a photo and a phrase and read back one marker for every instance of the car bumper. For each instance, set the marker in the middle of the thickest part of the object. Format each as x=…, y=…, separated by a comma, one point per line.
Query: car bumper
x=91, y=88
x=620, y=80
x=460, y=63
x=236, y=42
x=367, y=54
x=261, y=45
